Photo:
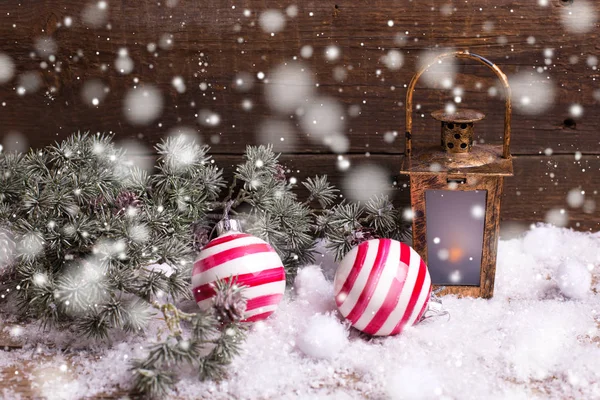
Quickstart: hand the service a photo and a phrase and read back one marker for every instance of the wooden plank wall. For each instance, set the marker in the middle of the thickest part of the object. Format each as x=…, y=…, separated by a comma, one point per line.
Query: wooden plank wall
x=213, y=41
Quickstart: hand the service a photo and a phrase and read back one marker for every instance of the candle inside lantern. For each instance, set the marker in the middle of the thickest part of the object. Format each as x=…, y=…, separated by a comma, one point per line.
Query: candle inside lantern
x=455, y=224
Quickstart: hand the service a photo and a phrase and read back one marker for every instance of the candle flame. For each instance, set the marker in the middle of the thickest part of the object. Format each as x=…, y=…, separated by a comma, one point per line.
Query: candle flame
x=456, y=254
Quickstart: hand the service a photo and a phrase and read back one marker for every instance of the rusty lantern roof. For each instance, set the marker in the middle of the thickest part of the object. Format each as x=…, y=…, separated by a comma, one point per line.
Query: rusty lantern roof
x=458, y=153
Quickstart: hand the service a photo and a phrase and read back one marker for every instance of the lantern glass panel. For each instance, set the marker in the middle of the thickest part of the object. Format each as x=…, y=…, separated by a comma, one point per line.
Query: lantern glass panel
x=455, y=226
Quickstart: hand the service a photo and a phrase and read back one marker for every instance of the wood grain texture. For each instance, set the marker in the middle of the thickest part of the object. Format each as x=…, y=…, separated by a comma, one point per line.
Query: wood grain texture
x=213, y=42
x=540, y=184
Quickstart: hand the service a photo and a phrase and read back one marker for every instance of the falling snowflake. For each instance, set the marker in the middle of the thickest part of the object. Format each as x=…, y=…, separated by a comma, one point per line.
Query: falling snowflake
x=143, y=105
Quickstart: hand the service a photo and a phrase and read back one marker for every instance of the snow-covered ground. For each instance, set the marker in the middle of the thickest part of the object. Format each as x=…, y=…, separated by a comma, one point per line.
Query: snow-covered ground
x=538, y=338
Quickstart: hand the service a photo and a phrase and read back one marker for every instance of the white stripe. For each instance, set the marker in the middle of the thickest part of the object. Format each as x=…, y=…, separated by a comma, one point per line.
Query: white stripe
x=422, y=299
x=351, y=298
x=239, y=242
x=409, y=283
x=343, y=270
x=252, y=293
x=390, y=269
x=250, y=263
x=264, y=290
x=260, y=311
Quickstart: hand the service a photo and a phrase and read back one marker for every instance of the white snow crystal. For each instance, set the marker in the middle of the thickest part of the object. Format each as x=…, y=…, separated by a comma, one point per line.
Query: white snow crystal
x=442, y=71
x=340, y=73
x=322, y=117
x=533, y=94
x=332, y=52
x=557, y=217
x=95, y=14
x=278, y=132
x=290, y=85
x=143, y=105
x=15, y=141
x=29, y=82
x=579, y=17
x=271, y=21
x=574, y=279
x=92, y=90
x=306, y=51
x=338, y=143
x=292, y=11
x=179, y=84
x=477, y=211
x=450, y=108
x=135, y=155
x=208, y=118
x=575, y=198
x=243, y=82
x=45, y=46
x=366, y=181
x=165, y=41
x=576, y=110
x=393, y=60
x=324, y=337
x=124, y=63
x=7, y=68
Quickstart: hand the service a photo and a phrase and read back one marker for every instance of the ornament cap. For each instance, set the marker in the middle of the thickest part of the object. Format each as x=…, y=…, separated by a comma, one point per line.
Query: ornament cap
x=435, y=307
x=228, y=225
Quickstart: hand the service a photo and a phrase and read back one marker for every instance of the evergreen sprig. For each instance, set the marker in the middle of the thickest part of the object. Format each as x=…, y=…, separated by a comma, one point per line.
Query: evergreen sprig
x=209, y=345
x=81, y=228
x=347, y=224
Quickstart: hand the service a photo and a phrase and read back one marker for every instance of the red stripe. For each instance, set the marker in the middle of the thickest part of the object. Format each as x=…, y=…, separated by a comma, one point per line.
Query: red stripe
x=263, y=301
x=390, y=302
x=413, y=298
x=251, y=279
x=375, y=273
x=424, y=306
x=363, y=249
x=231, y=254
x=258, y=317
x=224, y=239
x=405, y=251
x=391, y=299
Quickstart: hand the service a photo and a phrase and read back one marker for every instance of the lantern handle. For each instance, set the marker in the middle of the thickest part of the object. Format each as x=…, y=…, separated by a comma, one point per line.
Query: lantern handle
x=472, y=56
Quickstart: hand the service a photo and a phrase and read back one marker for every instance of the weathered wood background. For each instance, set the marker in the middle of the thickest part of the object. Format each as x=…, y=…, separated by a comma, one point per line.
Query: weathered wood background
x=215, y=40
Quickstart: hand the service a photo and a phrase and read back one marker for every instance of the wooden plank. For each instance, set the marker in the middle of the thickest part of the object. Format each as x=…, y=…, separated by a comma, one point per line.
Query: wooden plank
x=225, y=42
x=541, y=184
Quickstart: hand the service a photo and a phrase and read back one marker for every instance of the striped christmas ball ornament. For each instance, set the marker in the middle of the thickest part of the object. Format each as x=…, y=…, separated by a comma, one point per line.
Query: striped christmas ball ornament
x=250, y=260
x=382, y=286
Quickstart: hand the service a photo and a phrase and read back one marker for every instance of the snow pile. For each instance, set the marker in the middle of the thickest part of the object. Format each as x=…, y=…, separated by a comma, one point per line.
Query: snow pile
x=536, y=339
x=324, y=337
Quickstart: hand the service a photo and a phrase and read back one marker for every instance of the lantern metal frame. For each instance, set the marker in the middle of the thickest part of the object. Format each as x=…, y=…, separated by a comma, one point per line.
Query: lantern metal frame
x=484, y=168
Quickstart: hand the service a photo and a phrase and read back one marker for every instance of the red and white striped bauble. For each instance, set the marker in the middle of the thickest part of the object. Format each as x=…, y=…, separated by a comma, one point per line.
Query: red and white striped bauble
x=382, y=286
x=249, y=259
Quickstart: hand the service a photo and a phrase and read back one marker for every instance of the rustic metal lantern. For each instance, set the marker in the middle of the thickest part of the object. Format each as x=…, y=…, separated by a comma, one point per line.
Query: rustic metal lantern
x=455, y=194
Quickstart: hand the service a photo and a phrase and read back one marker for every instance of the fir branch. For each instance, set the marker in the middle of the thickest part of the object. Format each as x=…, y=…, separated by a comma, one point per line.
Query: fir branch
x=153, y=381
x=82, y=226
x=210, y=345
x=320, y=190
